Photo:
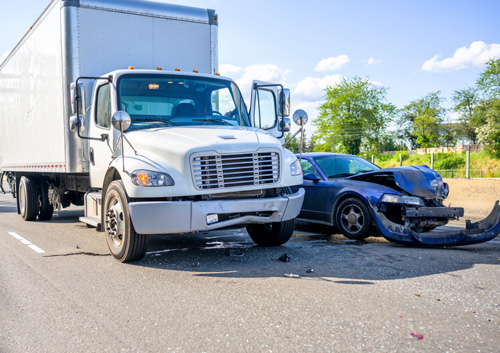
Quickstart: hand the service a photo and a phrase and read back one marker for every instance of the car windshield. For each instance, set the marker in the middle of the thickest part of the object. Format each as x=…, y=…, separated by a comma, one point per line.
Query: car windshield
x=340, y=166
x=173, y=100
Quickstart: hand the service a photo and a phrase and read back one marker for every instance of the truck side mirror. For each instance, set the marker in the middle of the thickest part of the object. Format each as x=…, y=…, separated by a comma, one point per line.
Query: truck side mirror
x=77, y=98
x=285, y=124
x=121, y=120
x=284, y=103
x=300, y=117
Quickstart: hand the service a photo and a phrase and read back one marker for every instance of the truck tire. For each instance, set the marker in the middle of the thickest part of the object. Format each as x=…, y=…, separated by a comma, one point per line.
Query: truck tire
x=272, y=234
x=28, y=198
x=46, y=209
x=123, y=242
x=353, y=219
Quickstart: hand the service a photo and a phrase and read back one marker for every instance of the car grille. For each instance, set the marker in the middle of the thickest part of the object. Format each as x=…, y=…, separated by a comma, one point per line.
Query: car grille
x=233, y=170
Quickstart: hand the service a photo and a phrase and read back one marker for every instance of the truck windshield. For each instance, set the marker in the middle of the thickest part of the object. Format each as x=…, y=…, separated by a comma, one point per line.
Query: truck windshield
x=167, y=101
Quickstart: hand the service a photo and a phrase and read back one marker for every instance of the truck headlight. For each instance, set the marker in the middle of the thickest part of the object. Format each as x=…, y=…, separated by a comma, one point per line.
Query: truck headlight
x=149, y=178
x=295, y=168
x=406, y=200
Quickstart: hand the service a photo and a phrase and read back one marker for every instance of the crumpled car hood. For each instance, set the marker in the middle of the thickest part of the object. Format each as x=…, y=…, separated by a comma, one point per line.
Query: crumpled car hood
x=417, y=180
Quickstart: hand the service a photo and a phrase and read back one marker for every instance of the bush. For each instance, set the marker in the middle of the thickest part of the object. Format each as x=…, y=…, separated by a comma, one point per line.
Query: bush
x=449, y=161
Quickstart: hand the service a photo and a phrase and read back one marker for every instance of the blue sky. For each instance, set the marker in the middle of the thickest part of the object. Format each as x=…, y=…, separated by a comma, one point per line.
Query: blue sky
x=411, y=47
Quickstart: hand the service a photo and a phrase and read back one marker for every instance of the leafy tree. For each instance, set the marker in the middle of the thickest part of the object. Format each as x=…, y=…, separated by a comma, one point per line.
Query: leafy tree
x=354, y=115
x=489, y=80
x=294, y=144
x=489, y=133
x=466, y=101
x=421, y=120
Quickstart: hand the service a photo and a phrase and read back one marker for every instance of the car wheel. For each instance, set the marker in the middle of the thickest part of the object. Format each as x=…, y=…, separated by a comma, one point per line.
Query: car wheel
x=46, y=209
x=353, y=219
x=123, y=241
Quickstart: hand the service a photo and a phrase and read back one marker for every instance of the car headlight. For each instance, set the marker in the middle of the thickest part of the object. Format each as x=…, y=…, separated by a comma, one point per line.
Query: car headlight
x=149, y=178
x=406, y=200
x=295, y=168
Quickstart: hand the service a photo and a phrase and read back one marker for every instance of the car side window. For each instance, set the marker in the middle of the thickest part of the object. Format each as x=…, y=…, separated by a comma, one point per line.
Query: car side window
x=308, y=167
x=103, y=109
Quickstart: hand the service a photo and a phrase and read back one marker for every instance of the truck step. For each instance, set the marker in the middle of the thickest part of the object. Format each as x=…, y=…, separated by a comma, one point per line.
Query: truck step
x=92, y=221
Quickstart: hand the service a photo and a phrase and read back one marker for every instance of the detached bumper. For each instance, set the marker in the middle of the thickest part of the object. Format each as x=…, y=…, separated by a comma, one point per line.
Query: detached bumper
x=473, y=233
x=187, y=216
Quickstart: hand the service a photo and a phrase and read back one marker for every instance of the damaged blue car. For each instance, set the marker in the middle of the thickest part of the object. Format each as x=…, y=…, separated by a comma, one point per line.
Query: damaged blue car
x=403, y=204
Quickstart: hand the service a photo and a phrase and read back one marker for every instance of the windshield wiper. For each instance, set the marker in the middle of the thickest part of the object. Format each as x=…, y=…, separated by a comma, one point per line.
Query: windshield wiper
x=156, y=120
x=340, y=175
x=364, y=171
x=215, y=120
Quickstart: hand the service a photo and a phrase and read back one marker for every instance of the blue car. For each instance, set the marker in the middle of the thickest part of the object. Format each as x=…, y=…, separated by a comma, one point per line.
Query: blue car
x=403, y=204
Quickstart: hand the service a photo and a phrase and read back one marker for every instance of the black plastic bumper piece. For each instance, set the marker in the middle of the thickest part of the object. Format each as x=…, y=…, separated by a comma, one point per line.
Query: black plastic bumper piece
x=473, y=233
x=438, y=212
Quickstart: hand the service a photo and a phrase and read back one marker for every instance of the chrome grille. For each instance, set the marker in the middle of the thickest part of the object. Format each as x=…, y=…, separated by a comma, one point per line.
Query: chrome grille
x=225, y=171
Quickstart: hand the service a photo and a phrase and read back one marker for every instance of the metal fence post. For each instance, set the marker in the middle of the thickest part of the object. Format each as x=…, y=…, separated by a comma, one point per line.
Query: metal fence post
x=432, y=160
x=373, y=158
x=467, y=162
x=400, y=159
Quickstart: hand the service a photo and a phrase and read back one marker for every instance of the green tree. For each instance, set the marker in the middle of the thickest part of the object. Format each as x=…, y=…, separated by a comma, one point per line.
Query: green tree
x=489, y=133
x=354, y=115
x=465, y=102
x=489, y=80
x=420, y=121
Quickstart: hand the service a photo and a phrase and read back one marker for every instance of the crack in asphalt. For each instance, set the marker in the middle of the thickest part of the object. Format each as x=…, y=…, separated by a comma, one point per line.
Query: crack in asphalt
x=78, y=253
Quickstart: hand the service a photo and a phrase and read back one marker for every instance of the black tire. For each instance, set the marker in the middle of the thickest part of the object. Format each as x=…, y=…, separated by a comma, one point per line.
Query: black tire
x=123, y=242
x=28, y=198
x=353, y=219
x=46, y=209
x=273, y=234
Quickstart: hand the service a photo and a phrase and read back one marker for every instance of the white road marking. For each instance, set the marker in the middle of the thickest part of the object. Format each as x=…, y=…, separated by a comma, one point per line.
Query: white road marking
x=27, y=242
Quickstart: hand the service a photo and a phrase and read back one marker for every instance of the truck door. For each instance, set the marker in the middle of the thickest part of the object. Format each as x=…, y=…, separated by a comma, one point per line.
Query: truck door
x=265, y=111
x=100, y=152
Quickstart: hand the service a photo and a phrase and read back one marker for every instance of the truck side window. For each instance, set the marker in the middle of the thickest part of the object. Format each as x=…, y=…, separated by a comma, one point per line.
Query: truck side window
x=103, y=110
x=265, y=109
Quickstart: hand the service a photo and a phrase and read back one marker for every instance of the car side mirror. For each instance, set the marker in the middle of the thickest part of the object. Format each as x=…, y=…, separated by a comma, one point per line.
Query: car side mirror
x=311, y=176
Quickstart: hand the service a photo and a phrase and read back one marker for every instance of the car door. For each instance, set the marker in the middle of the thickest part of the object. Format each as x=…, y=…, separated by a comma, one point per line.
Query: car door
x=315, y=187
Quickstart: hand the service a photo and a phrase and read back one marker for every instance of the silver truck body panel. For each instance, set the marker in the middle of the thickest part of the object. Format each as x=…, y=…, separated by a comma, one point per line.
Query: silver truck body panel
x=88, y=38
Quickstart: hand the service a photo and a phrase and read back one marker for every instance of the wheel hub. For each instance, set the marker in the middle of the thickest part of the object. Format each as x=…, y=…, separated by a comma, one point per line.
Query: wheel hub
x=114, y=222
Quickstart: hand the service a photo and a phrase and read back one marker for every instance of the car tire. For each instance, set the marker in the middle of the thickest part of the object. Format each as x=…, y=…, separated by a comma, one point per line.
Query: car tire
x=353, y=219
x=28, y=198
x=124, y=243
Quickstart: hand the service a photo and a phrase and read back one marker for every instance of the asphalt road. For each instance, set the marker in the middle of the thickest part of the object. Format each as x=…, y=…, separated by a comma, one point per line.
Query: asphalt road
x=60, y=291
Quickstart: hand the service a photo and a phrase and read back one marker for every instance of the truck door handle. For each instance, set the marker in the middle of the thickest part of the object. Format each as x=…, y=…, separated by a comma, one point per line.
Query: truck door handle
x=91, y=156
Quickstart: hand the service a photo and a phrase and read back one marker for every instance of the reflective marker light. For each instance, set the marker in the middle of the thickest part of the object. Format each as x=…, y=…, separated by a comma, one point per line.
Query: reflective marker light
x=154, y=86
x=212, y=218
x=177, y=69
x=130, y=67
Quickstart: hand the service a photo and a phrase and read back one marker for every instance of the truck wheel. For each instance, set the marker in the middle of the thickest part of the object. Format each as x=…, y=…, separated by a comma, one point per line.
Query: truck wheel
x=46, y=209
x=353, y=219
x=272, y=234
x=123, y=241
x=28, y=198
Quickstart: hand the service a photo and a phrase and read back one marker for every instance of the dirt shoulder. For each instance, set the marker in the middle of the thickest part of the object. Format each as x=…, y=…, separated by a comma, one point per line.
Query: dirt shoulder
x=476, y=196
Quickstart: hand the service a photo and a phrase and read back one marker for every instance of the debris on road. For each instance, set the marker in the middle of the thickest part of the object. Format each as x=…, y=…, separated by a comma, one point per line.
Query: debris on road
x=291, y=275
x=311, y=270
x=284, y=258
x=417, y=336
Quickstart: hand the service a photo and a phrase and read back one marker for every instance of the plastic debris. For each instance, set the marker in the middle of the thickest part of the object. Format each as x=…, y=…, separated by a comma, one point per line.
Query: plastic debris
x=284, y=258
x=417, y=336
x=311, y=270
x=77, y=247
x=291, y=275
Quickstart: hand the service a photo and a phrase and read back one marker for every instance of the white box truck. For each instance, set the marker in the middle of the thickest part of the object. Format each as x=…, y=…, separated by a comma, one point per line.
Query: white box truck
x=117, y=105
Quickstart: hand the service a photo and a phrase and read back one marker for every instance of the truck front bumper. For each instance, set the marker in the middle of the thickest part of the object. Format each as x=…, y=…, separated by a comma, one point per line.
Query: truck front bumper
x=189, y=216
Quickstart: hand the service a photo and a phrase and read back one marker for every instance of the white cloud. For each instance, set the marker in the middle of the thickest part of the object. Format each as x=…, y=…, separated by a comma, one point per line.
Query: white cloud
x=229, y=70
x=311, y=89
x=373, y=61
x=4, y=56
x=332, y=64
x=375, y=84
x=270, y=73
x=476, y=55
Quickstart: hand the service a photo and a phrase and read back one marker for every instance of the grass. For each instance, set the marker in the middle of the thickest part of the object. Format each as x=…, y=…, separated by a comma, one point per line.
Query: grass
x=482, y=163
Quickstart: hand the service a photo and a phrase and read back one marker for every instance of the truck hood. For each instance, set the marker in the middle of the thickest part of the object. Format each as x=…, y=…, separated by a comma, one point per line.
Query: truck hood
x=182, y=141
x=417, y=180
